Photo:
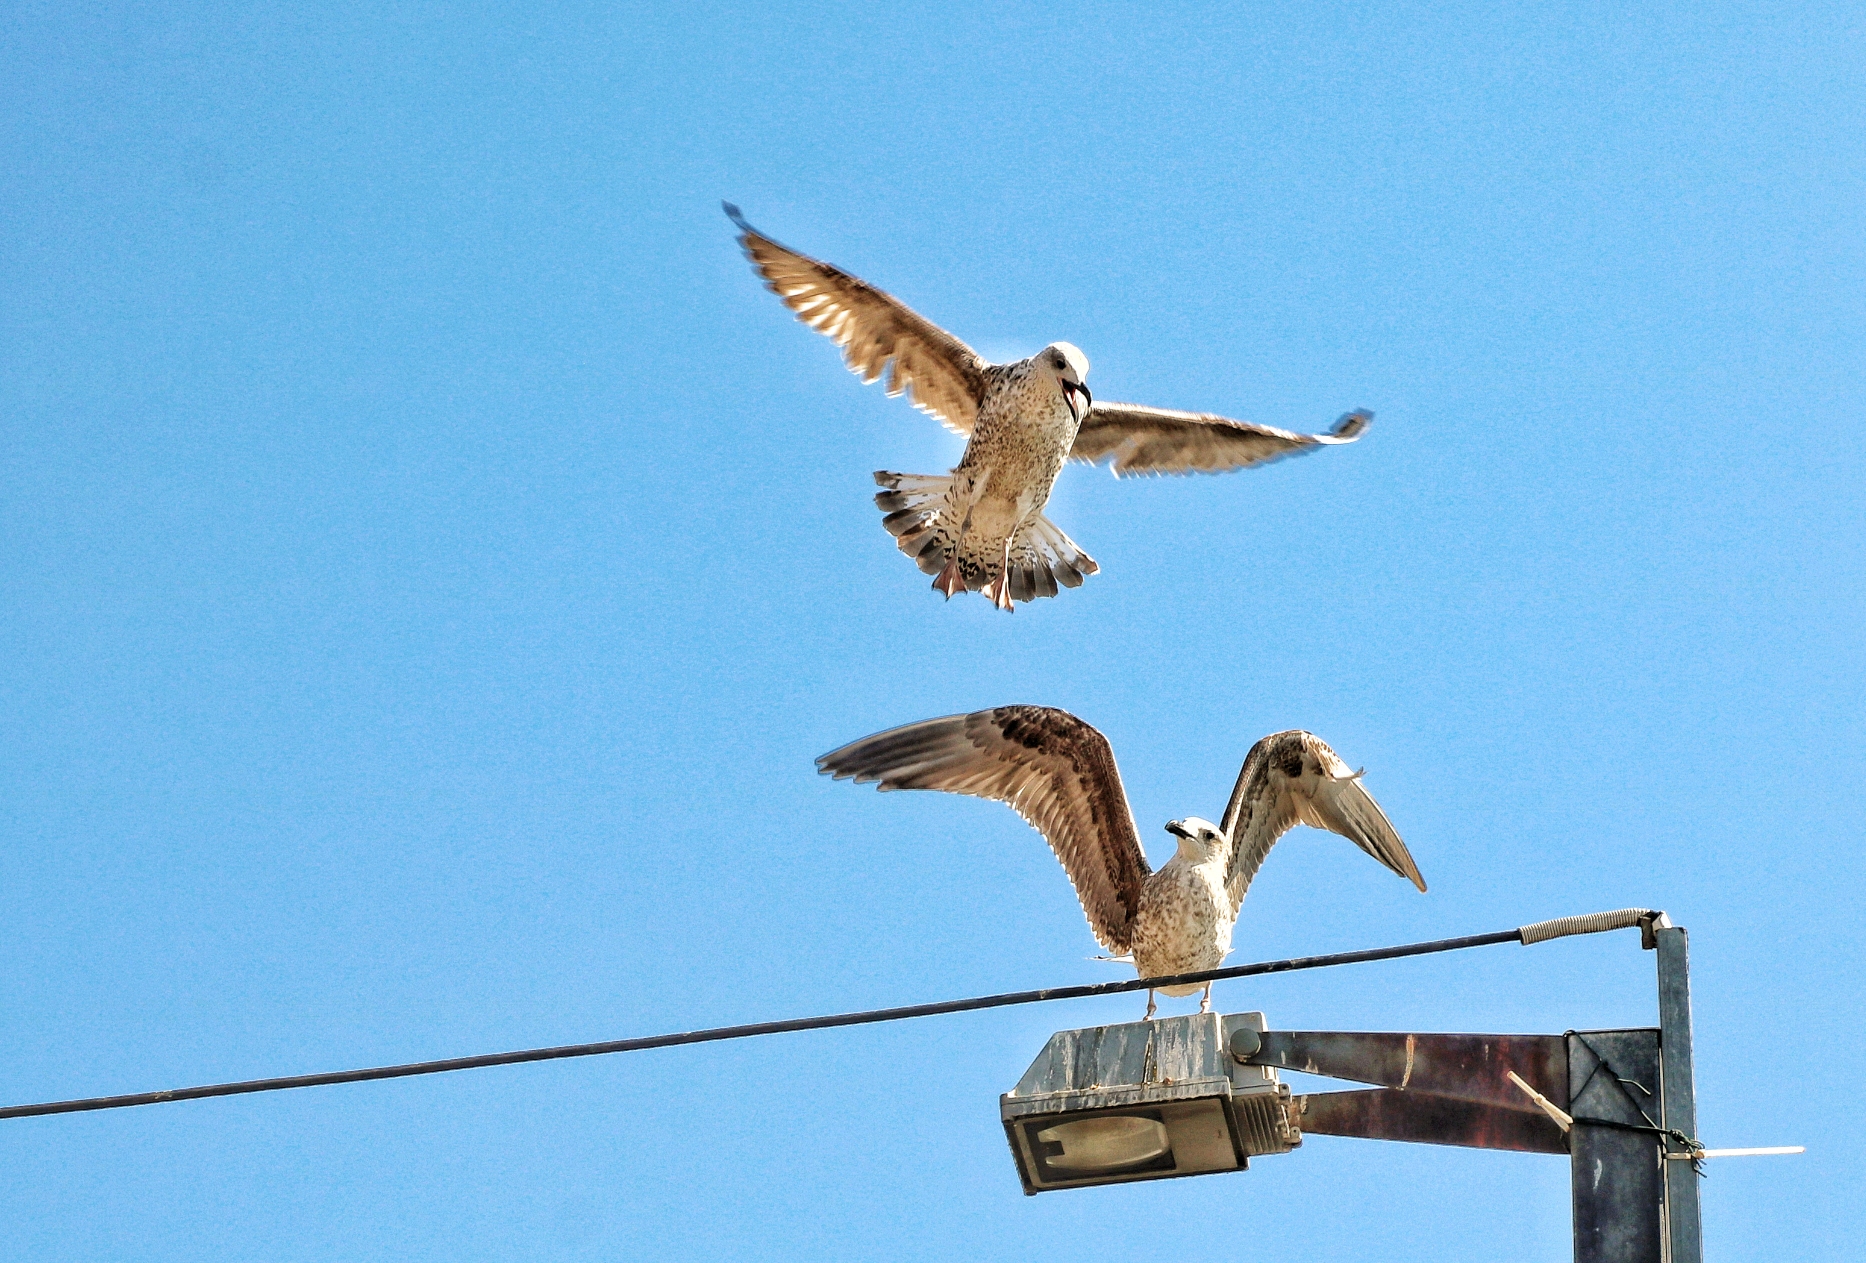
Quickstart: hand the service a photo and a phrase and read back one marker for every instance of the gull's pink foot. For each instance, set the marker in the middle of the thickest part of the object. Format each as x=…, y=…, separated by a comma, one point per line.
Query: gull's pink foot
x=999, y=591
x=950, y=582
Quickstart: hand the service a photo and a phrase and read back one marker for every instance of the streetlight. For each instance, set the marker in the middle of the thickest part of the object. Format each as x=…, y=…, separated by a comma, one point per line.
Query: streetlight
x=1200, y=1095
x=1145, y=1101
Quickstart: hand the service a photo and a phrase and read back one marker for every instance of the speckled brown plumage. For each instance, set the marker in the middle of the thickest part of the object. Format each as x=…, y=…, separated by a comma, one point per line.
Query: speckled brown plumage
x=1059, y=774
x=981, y=527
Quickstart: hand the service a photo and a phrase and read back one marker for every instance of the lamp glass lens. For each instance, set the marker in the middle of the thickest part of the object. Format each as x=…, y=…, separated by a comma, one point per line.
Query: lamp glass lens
x=1109, y=1143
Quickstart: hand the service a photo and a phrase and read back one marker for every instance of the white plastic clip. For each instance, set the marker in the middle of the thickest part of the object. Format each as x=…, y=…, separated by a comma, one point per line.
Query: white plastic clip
x=1562, y=1118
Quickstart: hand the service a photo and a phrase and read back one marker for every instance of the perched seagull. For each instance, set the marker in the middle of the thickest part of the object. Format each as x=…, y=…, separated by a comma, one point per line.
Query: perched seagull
x=1058, y=773
x=981, y=526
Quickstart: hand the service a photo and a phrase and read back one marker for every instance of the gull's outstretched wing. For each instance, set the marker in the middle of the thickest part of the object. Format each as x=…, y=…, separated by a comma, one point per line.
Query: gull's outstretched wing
x=876, y=332
x=1292, y=778
x=1054, y=770
x=1162, y=441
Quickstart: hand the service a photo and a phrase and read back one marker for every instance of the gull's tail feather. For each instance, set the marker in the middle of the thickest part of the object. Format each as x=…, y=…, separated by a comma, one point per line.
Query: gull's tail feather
x=920, y=516
x=924, y=513
x=1042, y=557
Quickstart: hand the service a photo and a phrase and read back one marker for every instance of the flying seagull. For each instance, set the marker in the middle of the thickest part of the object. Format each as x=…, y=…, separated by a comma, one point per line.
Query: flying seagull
x=1058, y=773
x=981, y=526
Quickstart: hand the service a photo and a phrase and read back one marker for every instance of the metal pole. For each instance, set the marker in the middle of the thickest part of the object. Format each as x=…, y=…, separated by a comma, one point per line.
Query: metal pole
x=1617, y=1181
x=1684, y=1235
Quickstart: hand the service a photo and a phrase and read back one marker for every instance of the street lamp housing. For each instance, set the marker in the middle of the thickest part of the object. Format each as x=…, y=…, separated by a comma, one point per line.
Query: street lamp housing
x=1145, y=1101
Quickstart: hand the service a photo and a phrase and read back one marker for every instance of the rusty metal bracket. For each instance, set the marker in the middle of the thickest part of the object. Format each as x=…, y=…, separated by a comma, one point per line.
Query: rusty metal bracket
x=1474, y=1068
x=1420, y=1117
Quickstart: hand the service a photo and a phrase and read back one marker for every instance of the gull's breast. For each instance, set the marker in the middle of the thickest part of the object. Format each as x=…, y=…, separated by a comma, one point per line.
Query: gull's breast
x=1024, y=433
x=1183, y=924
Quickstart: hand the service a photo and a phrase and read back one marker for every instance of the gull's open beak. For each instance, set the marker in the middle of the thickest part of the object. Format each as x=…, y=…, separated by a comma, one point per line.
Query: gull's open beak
x=1070, y=390
x=1178, y=830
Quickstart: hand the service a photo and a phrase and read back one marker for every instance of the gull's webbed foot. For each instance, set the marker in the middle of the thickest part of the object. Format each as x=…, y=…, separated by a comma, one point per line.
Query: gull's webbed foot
x=999, y=590
x=950, y=581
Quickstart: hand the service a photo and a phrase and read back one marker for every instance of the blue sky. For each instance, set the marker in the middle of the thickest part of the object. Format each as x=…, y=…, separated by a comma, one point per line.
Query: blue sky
x=433, y=562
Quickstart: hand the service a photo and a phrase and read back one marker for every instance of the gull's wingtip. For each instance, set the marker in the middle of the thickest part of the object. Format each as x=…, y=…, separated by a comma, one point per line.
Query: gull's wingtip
x=732, y=213
x=1352, y=425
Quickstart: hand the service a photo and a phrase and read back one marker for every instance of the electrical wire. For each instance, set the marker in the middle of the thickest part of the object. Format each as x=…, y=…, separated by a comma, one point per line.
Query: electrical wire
x=785, y=1026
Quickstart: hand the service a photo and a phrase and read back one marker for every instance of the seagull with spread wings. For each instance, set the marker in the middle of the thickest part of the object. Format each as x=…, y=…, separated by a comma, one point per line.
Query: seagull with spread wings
x=981, y=526
x=1058, y=773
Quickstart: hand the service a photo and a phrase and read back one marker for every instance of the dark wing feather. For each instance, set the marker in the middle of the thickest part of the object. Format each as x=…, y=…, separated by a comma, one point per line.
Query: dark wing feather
x=1292, y=778
x=1054, y=770
x=1161, y=441
x=876, y=332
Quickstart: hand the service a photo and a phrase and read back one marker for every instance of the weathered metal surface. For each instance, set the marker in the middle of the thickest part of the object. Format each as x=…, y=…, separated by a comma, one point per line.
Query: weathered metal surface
x=1171, y=1050
x=1618, y=1180
x=1683, y=1231
x=1389, y=1114
x=1467, y=1067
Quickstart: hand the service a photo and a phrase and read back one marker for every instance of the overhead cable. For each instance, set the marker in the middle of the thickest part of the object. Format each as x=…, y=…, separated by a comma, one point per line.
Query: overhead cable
x=1592, y=924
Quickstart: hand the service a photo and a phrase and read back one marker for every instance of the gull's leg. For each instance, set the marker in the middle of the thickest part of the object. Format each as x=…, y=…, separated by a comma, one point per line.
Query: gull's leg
x=950, y=581
x=1205, y=1003
x=1151, y=1006
x=1000, y=589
